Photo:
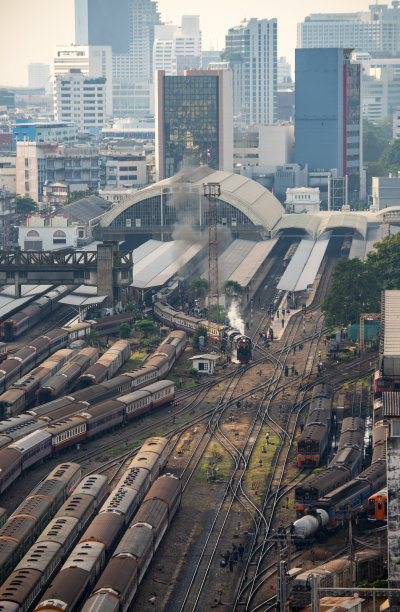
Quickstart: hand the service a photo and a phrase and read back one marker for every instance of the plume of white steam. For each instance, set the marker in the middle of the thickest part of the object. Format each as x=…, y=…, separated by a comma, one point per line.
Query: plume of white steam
x=234, y=317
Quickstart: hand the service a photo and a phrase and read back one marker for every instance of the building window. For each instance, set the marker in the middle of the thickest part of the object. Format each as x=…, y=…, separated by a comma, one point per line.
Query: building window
x=59, y=237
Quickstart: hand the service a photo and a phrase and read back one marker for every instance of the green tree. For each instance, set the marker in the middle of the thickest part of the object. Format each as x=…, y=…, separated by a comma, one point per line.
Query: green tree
x=199, y=331
x=384, y=262
x=94, y=337
x=26, y=206
x=353, y=290
x=376, y=138
x=232, y=288
x=146, y=328
x=390, y=158
x=79, y=195
x=199, y=286
x=125, y=330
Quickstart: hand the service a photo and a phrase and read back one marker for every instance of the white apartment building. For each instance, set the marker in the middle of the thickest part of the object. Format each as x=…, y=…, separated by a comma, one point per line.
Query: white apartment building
x=376, y=30
x=252, y=52
x=80, y=100
x=123, y=169
x=92, y=61
x=302, y=199
x=177, y=48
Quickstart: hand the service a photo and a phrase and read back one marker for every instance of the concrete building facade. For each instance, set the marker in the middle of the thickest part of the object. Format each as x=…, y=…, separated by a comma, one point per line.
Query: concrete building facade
x=52, y=131
x=177, y=48
x=375, y=31
x=302, y=199
x=38, y=235
x=385, y=192
x=38, y=163
x=92, y=61
x=80, y=100
x=124, y=169
x=130, y=33
x=328, y=131
x=194, y=121
x=251, y=49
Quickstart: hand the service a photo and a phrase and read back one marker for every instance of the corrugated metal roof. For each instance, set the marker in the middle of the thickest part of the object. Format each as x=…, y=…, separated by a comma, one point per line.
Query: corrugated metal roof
x=8, y=302
x=307, y=277
x=82, y=300
x=374, y=234
x=252, y=262
x=231, y=259
x=86, y=209
x=391, y=337
x=391, y=404
x=302, y=221
x=296, y=266
x=162, y=261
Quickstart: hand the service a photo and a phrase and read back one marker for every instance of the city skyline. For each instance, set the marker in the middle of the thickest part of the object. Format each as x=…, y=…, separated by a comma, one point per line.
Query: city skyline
x=53, y=21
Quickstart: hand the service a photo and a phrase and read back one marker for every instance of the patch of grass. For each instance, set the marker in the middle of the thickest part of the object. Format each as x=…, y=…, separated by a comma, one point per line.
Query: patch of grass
x=256, y=477
x=216, y=458
x=134, y=362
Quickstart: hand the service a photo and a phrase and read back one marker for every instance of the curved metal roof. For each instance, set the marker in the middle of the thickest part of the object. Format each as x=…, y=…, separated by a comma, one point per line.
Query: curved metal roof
x=248, y=196
x=356, y=221
x=303, y=221
x=318, y=223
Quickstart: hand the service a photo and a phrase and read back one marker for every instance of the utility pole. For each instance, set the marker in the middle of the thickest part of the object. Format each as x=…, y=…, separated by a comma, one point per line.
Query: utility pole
x=282, y=587
x=315, y=593
x=212, y=191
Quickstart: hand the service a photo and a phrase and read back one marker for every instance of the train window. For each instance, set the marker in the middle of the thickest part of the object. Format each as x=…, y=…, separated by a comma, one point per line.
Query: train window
x=371, y=507
x=379, y=505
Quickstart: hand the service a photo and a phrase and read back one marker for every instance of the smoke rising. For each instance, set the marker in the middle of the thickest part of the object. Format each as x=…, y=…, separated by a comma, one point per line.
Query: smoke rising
x=235, y=318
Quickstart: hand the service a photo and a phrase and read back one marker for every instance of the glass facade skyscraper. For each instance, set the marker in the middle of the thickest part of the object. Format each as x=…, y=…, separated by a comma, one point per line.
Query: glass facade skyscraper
x=194, y=124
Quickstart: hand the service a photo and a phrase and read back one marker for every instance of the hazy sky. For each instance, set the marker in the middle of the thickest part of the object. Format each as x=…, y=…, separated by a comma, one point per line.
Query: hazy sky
x=30, y=29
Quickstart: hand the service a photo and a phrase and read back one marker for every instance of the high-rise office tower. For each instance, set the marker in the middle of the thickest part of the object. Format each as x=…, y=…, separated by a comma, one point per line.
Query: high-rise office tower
x=128, y=27
x=328, y=114
x=375, y=31
x=177, y=48
x=194, y=122
x=251, y=49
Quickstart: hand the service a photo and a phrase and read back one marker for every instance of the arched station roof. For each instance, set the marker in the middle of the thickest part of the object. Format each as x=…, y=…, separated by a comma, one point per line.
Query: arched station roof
x=307, y=223
x=316, y=224
x=256, y=203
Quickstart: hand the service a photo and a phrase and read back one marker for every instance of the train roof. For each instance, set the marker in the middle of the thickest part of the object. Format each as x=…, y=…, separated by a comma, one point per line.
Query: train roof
x=156, y=444
x=165, y=489
x=91, y=485
x=60, y=528
x=31, y=440
x=39, y=556
x=323, y=478
x=15, y=422
x=120, y=500
x=18, y=588
x=159, y=386
x=67, y=423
